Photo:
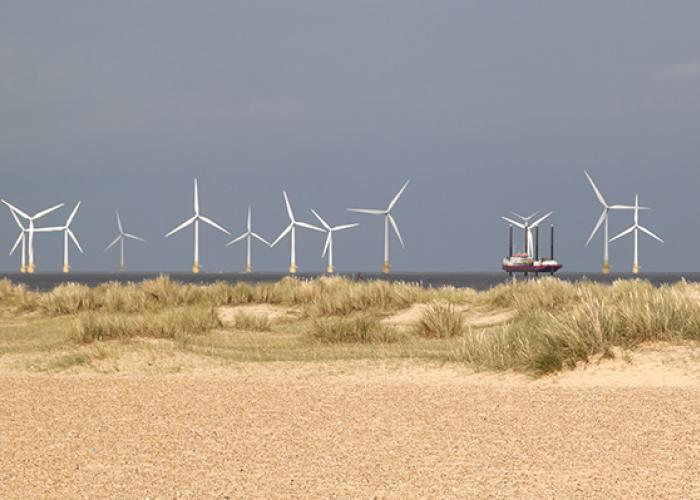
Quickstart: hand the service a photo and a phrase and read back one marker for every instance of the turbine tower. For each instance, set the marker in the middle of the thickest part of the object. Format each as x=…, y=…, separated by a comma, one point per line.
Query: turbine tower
x=66, y=233
x=328, y=247
x=636, y=228
x=528, y=228
x=120, y=238
x=20, y=239
x=603, y=220
x=195, y=219
x=388, y=219
x=291, y=228
x=31, y=229
x=248, y=235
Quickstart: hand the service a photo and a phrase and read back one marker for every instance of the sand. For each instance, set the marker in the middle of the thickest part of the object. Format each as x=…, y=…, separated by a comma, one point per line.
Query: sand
x=363, y=429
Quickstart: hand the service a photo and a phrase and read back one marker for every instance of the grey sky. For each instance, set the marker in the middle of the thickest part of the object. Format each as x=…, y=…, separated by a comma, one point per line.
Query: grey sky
x=485, y=106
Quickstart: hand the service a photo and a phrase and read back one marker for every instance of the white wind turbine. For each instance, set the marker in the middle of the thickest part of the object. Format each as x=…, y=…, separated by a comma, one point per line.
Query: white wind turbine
x=120, y=239
x=66, y=233
x=636, y=227
x=31, y=229
x=248, y=235
x=388, y=219
x=291, y=228
x=20, y=239
x=528, y=228
x=328, y=247
x=603, y=220
x=195, y=219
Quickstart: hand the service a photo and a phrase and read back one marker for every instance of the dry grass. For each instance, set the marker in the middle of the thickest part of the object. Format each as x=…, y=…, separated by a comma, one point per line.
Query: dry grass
x=170, y=324
x=440, y=321
x=362, y=329
x=542, y=326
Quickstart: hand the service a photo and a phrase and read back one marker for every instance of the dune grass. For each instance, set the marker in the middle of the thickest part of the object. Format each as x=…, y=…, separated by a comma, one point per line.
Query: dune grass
x=553, y=325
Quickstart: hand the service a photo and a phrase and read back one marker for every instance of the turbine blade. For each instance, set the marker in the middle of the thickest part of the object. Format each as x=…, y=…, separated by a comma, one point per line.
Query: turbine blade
x=518, y=215
x=645, y=230
x=75, y=240
x=214, y=224
x=237, y=239
x=536, y=223
x=598, y=194
x=532, y=215
x=623, y=233
x=328, y=244
x=398, y=195
x=19, y=240
x=601, y=219
x=196, y=197
x=396, y=229
x=14, y=216
x=133, y=237
x=260, y=238
x=15, y=209
x=72, y=214
x=516, y=224
x=621, y=207
x=116, y=240
x=47, y=211
x=323, y=222
x=345, y=226
x=283, y=234
x=181, y=226
x=119, y=222
x=289, y=207
x=249, y=218
x=309, y=226
x=49, y=229
x=370, y=211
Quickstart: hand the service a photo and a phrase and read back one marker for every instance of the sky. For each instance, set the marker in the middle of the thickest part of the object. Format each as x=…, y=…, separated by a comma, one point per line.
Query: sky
x=485, y=106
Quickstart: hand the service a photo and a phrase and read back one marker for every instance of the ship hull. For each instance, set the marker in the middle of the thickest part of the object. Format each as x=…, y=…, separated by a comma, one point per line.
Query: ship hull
x=527, y=268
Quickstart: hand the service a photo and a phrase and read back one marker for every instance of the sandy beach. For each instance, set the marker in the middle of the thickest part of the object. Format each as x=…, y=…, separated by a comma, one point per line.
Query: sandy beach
x=352, y=429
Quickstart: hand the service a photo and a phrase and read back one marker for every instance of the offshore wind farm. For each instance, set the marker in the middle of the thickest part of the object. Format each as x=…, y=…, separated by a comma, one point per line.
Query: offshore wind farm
x=527, y=262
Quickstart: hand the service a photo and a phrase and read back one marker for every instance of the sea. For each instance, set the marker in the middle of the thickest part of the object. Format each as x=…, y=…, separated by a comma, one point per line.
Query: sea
x=476, y=280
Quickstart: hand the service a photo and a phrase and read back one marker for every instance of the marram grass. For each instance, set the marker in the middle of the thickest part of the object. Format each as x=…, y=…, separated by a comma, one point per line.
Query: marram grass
x=552, y=324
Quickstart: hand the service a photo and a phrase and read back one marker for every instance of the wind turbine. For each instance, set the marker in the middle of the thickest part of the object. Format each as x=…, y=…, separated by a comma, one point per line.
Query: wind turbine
x=388, y=219
x=20, y=239
x=66, y=233
x=30, y=230
x=527, y=227
x=248, y=235
x=603, y=220
x=120, y=238
x=195, y=219
x=328, y=247
x=636, y=228
x=293, y=224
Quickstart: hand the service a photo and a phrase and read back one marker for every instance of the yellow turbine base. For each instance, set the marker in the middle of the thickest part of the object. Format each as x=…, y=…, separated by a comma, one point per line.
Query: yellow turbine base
x=248, y=269
x=635, y=269
x=606, y=267
x=66, y=268
x=330, y=270
x=293, y=268
x=31, y=267
x=22, y=269
x=195, y=268
x=387, y=267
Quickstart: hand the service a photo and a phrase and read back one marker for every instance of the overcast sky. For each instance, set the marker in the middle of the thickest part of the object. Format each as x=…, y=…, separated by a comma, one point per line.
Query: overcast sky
x=485, y=106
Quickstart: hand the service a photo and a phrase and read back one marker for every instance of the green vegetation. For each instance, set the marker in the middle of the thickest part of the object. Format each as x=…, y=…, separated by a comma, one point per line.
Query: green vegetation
x=541, y=326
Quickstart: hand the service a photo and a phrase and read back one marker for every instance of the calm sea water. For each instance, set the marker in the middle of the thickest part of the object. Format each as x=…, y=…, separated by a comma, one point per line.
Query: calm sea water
x=478, y=281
